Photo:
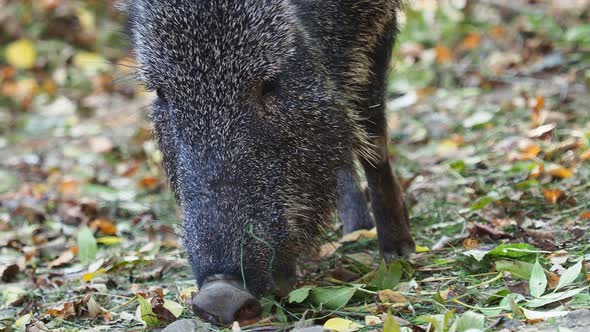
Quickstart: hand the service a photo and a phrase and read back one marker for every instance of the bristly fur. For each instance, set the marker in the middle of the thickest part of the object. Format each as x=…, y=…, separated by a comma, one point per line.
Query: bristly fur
x=260, y=104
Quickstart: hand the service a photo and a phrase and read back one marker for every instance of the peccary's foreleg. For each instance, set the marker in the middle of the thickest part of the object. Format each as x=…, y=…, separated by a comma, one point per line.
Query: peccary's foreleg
x=285, y=276
x=352, y=205
x=389, y=209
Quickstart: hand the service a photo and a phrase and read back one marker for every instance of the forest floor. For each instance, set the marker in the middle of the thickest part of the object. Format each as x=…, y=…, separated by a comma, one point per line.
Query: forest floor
x=489, y=114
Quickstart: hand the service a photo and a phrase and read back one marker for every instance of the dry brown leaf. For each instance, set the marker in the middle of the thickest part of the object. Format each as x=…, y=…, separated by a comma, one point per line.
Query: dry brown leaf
x=65, y=258
x=553, y=195
x=585, y=215
x=104, y=226
x=443, y=54
x=472, y=41
x=149, y=182
x=64, y=310
x=93, y=308
x=9, y=272
x=69, y=187
x=470, y=243
x=585, y=156
x=497, y=32
x=328, y=250
x=391, y=296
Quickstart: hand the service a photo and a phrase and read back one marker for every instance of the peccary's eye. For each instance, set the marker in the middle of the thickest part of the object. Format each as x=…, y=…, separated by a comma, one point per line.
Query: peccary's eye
x=266, y=89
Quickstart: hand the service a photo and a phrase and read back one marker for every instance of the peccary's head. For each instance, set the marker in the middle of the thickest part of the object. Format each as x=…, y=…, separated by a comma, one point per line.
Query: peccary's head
x=248, y=123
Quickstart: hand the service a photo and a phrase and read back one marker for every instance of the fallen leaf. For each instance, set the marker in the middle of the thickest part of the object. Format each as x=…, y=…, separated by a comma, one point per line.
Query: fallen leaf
x=443, y=54
x=64, y=310
x=69, y=187
x=360, y=234
x=328, y=250
x=585, y=156
x=560, y=172
x=87, y=247
x=470, y=243
x=542, y=131
x=94, y=310
x=372, y=320
x=104, y=226
x=585, y=215
x=472, y=41
x=65, y=258
x=553, y=196
x=497, y=32
x=537, y=316
x=341, y=325
x=9, y=272
x=149, y=182
x=391, y=296
x=100, y=144
x=21, y=54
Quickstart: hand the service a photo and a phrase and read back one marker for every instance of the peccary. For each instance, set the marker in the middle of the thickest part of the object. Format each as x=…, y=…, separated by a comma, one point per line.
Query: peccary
x=262, y=108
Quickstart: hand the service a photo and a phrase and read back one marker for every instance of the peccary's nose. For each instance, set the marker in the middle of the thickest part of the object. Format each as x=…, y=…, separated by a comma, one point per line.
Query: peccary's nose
x=223, y=300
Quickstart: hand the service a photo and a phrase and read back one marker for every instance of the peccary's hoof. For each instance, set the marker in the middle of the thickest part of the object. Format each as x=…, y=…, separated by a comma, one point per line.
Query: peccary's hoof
x=402, y=249
x=223, y=302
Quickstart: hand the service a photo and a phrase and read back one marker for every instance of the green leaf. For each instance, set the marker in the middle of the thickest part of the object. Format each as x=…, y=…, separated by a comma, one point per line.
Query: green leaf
x=267, y=303
x=514, y=250
x=538, y=280
x=518, y=270
x=485, y=201
x=299, y=295
x=553, y=297
x=87, y=247
x=390, y=324
x=281, y=316
x=437, y=321
x=146, y=313
x=470, y=321
x=569, y=276
x=332, y=297
x=387, y=278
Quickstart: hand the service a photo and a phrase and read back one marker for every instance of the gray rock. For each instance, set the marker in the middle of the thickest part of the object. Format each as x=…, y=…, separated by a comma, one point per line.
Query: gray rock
x=187, y=325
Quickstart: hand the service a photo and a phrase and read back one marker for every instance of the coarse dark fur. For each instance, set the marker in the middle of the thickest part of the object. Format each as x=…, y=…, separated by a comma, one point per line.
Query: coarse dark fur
x=262, y=108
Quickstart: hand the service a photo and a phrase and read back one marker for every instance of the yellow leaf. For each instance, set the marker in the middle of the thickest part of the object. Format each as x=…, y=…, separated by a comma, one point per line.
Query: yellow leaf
x=553, y=195
x=109, y=240
x=21, y=54
x=560, y=172
x=89, y=276
x=86, y=19
x=341, y=325
x=420, y=249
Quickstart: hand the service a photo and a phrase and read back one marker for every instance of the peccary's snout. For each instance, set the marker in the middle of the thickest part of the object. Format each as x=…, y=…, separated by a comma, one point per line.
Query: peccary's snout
x=222, y=300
